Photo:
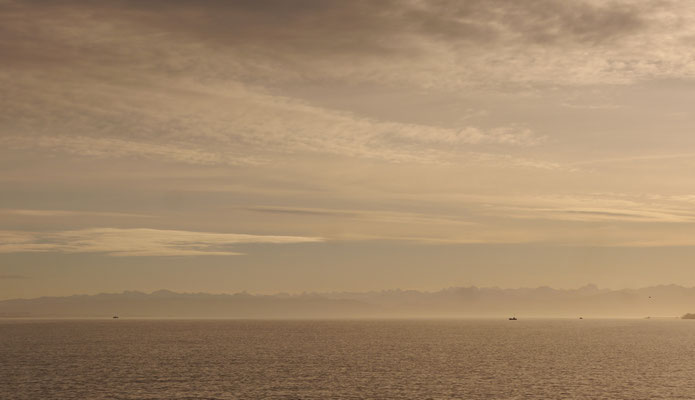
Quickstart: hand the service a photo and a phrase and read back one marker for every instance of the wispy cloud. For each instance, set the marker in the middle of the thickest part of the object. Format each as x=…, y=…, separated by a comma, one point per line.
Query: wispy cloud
x=388, y=216
x=213, y=107
x=637, y=158
x=12, y=277
x=104, y=147
x=135, y=242
x=588, y=207
x=67, y=213
x=305, y=211
x=233, y=125
x=635, y=214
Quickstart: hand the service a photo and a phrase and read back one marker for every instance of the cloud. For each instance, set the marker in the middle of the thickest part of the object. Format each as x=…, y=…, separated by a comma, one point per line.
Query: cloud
x=67, y=213
x=197, y=82
x=135, y=242
x=12, y=277
x=233, y=124
x=303, y=211
x=123, y=80
x=639, y=158
x=387, y=216
x=439, y=43
x=588, y=208
x=118, y=148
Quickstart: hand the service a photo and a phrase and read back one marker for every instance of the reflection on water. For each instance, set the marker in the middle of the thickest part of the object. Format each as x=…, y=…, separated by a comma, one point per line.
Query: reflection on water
x=413, y=359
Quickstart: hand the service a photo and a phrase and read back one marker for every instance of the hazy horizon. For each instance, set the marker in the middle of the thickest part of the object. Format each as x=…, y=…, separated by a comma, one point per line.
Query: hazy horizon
x=589, y=301
x=391, y=289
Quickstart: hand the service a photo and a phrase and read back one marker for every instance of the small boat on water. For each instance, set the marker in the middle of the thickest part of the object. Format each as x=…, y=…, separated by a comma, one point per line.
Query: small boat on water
x=115, y=317
x=512, y=318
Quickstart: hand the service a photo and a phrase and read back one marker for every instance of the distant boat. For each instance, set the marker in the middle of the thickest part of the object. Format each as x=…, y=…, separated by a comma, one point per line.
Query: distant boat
x=115, y=317
x=512, y=318
x=581, y=317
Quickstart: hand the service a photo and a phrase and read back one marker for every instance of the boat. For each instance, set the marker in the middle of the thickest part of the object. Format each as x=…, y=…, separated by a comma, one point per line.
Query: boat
x=512, y=318
x=115, y=317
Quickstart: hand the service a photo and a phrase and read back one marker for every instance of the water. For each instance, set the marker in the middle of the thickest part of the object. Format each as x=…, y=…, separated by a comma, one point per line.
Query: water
x=406, y=359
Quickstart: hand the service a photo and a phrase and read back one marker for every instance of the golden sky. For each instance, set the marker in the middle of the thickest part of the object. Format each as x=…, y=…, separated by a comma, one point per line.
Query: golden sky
x=294, y=146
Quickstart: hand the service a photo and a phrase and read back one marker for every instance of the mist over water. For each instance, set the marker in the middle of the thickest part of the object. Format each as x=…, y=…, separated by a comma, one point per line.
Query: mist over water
x=346, y=359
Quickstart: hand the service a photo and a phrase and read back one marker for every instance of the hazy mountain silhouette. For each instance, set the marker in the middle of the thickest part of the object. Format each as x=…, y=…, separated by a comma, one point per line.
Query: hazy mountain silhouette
x=587, y=301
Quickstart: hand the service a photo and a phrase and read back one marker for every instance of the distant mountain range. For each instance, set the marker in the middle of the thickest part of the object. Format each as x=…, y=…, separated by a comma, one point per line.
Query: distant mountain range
x=587, y=301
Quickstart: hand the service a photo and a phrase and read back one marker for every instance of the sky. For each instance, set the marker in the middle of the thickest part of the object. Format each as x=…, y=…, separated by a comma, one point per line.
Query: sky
x=275, y=146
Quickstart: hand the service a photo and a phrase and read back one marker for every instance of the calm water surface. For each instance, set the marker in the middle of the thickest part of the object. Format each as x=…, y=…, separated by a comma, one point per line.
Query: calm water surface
x=408, y=359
